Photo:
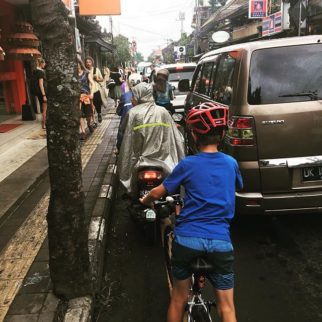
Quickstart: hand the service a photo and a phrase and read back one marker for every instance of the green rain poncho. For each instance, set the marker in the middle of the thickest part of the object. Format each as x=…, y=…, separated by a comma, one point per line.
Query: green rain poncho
x=150, y=138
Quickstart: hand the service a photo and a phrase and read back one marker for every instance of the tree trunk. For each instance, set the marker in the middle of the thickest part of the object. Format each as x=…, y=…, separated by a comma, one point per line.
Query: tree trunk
x=67, y=229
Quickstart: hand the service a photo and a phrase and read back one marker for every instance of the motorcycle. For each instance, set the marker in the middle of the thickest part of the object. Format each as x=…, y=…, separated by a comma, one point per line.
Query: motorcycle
x=148, y=177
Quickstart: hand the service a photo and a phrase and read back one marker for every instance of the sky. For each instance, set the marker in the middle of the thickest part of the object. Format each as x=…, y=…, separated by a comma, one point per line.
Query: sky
x=151, y=22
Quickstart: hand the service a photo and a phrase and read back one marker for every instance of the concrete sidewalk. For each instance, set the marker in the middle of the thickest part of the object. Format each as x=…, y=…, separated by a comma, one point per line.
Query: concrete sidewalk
x=25, y=286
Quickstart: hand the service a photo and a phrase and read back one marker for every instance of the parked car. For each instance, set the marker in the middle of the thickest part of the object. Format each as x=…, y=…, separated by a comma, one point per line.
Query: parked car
x=177, y=72
x=274, y=92
x=144, y=69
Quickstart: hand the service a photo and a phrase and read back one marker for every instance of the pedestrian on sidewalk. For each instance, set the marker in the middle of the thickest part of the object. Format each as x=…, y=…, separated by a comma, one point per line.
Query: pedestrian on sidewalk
x=124, y=106
x=95, y=87
x=41, y=88
x=115, y=92
x=86, y=95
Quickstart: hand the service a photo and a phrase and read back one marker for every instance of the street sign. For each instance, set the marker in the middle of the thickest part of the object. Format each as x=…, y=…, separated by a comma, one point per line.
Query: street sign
x=220, y=36
x=272, y=24
x=99, y=7
x=182, y=50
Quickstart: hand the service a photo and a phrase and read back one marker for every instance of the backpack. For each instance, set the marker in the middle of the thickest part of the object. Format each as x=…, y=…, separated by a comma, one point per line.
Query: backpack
x=33, y=84
x=111, y=84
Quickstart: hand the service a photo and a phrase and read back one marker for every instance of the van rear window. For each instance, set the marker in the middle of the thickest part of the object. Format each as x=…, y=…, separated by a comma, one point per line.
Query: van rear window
x=285, y=74
x=176, y=75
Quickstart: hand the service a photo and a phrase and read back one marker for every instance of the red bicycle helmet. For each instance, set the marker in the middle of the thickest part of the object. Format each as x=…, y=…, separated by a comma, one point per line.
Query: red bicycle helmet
x=206, y=116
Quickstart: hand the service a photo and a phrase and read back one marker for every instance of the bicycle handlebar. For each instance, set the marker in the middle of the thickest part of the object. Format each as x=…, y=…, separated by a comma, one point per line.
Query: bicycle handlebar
x=173, y=199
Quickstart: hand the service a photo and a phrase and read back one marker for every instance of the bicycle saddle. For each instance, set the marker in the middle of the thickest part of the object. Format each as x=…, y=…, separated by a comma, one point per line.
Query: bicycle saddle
x=200, y=265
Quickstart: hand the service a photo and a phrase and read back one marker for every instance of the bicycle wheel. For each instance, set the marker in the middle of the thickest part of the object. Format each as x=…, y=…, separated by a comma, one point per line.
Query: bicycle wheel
x=167, y=247
x=199, y=314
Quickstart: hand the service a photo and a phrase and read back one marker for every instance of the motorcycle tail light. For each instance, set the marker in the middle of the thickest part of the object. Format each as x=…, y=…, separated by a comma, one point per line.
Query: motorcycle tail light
x=150, y=175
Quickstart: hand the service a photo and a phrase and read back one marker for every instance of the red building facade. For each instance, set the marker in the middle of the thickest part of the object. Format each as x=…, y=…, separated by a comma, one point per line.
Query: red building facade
x=12, y=79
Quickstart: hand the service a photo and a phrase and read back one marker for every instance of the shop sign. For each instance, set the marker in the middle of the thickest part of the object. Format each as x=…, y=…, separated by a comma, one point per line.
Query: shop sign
x=99, y=7
x=272, y=24
x=257, y=9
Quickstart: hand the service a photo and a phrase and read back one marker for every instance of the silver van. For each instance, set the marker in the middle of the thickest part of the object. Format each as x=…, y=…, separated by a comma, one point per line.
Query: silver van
x=274, y=92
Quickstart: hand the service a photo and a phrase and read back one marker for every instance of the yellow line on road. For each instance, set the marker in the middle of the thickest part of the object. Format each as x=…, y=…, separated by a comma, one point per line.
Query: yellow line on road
x=18, y=255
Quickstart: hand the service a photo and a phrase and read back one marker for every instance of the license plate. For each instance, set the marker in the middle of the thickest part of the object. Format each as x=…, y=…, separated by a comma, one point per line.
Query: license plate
x=312, y=173
x=150, y=214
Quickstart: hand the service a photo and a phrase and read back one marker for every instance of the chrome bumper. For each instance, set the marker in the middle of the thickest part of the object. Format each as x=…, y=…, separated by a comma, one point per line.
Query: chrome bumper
x=273, y=204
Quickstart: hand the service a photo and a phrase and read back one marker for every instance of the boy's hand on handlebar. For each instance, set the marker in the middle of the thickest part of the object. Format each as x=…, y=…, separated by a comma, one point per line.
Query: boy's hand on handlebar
x=143, y=202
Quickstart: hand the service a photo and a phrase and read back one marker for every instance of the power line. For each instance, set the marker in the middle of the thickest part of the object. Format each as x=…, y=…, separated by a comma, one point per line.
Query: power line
x=144, y=30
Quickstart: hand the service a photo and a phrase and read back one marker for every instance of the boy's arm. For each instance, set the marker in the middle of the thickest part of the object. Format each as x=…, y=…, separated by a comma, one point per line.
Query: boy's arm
x=155, y=194
x=239, y=179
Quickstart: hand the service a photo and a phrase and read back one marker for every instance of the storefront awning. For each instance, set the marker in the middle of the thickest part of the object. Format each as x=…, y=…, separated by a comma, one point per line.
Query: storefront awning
x=23, y=53
x=228, y=11
x=105, y=46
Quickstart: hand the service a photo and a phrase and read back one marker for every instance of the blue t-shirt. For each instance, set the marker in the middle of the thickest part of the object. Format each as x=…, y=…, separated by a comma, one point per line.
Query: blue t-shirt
x=210, y=180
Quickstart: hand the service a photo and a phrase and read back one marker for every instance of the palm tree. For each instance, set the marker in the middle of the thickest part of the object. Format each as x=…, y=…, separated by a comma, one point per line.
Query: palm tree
x=67, y=228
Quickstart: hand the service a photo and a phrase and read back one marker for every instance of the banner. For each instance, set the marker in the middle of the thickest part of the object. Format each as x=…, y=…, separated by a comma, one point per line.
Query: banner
x=99, y=7
x=272, y=24
x=257, y=9
x=78, y=41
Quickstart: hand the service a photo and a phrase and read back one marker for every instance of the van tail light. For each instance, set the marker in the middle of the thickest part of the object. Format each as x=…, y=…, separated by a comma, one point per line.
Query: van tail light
x=241, y=131
x=150, y=175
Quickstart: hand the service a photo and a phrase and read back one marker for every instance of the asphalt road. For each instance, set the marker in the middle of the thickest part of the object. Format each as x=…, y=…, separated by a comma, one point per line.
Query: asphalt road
x=135, y=285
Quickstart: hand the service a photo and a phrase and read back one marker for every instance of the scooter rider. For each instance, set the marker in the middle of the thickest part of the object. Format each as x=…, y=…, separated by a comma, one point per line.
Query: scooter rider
x=202, y=229
x=150, y=137
x=162, y=90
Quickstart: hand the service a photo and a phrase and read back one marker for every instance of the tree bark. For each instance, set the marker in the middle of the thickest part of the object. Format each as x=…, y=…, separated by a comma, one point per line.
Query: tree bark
x=67, y=228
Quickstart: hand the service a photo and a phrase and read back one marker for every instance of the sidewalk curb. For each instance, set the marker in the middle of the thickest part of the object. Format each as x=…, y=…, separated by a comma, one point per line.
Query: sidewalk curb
x=30, y=186
x=80, y=309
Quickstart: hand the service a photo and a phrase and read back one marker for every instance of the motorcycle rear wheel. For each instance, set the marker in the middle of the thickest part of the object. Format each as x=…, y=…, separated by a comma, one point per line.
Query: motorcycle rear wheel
x=150, y=230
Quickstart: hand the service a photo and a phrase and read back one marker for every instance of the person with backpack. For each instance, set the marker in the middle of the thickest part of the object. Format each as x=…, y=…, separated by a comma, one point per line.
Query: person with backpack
x=97, y=77
x=210, y=179
x=86, y=95
x=39, y=87
x=124, y=106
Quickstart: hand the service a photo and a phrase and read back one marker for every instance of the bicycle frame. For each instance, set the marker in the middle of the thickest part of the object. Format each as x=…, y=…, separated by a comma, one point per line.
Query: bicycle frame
x=198, y=310
x=196, y=300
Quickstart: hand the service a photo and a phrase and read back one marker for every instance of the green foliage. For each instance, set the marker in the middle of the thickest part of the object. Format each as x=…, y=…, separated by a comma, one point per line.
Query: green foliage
x=184, y=40
x=122, y=51
x=168, y=57
x=138, y=57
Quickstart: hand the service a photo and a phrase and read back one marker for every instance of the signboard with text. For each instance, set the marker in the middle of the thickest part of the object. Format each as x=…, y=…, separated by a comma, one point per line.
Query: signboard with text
x=99, y=7
x=272, y=24
x=257, y=9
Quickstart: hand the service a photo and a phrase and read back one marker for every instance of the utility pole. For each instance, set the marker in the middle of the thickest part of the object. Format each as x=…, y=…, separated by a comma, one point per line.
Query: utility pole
x=112, y=38
x=197, y=27
x=181, y=19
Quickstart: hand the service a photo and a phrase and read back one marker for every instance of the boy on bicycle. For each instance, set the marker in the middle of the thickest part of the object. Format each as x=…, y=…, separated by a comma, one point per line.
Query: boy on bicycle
x=202, y=228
